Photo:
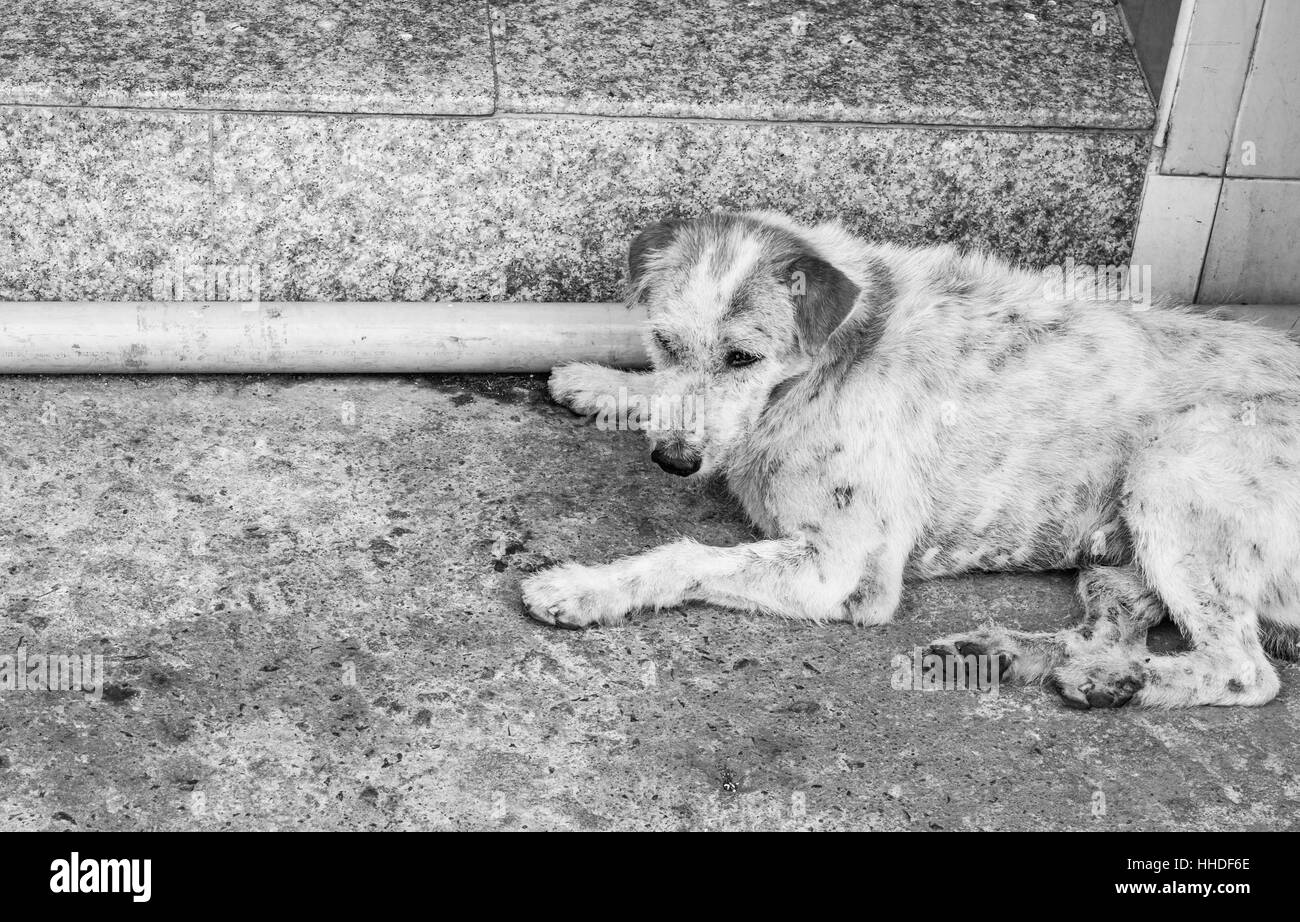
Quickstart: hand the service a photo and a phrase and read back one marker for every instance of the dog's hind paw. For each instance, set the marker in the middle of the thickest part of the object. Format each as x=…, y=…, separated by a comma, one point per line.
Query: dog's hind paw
x=1097, y=685
x=572, y=596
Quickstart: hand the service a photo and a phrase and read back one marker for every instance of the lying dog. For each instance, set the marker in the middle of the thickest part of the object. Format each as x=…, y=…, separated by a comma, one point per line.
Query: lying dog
x=886, y=414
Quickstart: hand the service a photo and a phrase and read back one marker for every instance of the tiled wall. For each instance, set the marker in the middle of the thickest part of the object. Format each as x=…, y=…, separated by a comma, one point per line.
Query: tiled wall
x=1220, y=218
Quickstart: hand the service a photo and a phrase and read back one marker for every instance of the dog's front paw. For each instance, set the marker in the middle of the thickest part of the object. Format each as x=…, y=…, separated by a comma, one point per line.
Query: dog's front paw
x=577, y=386
x=986, y=642
x=573, y=596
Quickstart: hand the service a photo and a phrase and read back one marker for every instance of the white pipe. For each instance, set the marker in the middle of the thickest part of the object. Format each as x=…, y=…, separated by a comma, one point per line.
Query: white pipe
x=119, y=337
x=51, y=337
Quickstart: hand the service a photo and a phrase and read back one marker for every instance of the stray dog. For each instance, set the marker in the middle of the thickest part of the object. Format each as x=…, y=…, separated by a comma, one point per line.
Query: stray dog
x=886, y=414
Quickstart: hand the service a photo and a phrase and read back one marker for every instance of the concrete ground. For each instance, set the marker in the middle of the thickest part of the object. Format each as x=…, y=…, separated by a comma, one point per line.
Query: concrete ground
x=306, y=594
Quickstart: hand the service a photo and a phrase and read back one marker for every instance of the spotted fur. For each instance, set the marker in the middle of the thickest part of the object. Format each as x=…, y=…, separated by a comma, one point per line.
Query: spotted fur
x=951, y=417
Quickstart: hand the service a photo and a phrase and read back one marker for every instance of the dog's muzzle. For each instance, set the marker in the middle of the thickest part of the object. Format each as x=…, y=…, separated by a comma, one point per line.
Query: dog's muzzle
x=676, y=459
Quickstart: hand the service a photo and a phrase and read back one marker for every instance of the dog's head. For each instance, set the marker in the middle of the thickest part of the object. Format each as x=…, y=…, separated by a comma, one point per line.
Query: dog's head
x=737, y=305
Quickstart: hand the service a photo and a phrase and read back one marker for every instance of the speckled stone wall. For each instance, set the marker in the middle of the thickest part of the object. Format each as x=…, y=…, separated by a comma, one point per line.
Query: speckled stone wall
x=335, y=208
x=395, y=150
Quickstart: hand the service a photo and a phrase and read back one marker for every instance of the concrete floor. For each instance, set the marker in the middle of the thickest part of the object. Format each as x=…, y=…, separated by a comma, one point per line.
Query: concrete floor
x=238, y=548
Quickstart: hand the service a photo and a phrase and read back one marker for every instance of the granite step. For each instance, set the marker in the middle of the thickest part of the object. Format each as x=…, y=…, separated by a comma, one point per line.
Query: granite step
x=402, y=150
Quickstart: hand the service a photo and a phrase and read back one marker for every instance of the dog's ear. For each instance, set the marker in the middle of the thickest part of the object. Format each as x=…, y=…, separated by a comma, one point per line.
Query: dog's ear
x=823, y=297
x=647, y=243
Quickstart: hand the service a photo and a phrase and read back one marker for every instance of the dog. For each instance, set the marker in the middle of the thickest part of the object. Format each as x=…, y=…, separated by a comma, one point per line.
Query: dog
x=886, y=414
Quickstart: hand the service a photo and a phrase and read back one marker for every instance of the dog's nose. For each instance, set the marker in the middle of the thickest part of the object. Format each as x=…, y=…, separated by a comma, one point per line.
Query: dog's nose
x=679, y=461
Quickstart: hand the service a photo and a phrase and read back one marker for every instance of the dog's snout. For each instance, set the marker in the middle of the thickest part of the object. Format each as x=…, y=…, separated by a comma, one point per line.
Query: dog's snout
x=676, y=459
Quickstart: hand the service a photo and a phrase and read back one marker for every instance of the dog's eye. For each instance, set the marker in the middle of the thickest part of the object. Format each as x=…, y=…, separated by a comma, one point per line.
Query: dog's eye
x=738, y=358
x=664, y=343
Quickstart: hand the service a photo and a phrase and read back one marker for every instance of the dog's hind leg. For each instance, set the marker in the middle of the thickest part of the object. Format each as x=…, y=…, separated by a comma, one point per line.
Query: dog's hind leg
x=1227, y=665
x=1214, y=536
x=1118, y=610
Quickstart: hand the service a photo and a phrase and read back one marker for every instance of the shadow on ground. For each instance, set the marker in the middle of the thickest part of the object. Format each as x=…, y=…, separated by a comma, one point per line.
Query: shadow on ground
x=305, y=591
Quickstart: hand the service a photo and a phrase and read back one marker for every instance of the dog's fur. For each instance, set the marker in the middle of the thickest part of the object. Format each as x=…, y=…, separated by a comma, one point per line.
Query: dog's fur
x=916, y=413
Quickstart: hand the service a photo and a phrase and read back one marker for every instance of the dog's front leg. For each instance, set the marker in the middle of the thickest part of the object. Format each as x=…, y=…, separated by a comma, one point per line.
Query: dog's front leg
x=586, y=388
x=801, y=577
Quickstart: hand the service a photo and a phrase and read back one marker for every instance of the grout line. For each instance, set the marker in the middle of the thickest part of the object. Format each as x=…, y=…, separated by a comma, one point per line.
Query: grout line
x=1209, y=242
x=212, y=170
x=502, y=115
x=1173, y=73
x=1234, y=130
x=828, y=123
x=1235, y=177
x=1227, y=158
x=492, y=60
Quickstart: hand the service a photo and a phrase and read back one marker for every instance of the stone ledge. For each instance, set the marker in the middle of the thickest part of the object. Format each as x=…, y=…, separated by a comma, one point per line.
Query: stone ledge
x=510, y=209
x=1063, y=63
